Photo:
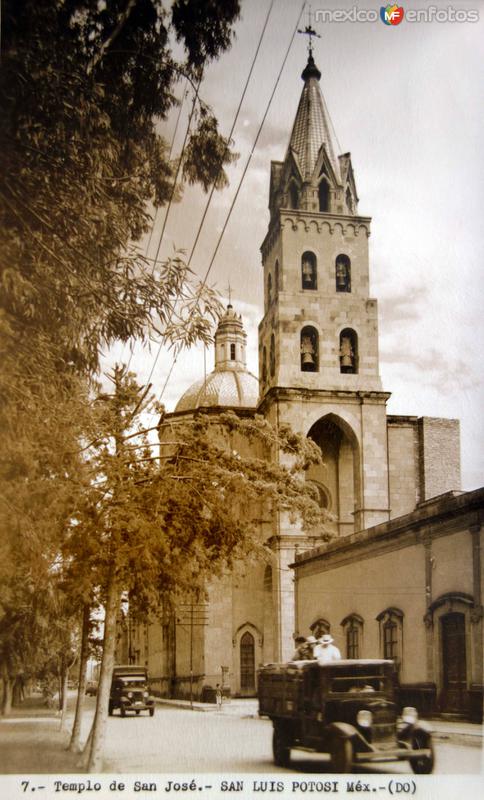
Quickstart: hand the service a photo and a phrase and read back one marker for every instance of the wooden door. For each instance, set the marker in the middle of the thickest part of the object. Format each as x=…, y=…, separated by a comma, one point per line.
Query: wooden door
x=454, y=662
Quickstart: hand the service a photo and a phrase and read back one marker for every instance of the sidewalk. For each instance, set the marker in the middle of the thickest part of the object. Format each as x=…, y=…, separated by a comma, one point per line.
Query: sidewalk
x=443, y=730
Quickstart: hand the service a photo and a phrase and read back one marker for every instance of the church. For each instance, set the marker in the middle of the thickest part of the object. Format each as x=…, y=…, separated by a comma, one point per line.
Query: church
x=402, y=576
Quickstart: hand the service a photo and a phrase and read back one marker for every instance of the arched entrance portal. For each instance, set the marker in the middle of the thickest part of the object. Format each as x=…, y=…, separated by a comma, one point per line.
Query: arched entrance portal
x=454, y=664
x=338, y=478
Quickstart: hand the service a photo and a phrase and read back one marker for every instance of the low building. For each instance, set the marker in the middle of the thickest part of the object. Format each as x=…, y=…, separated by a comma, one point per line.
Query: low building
x=411, y=590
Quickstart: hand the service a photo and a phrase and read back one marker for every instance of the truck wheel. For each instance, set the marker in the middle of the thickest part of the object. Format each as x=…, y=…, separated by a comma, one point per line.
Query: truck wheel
x=122, y=711
x=341, y=755
x=152, y=711
x=281, y=746
x=425, y=764
x=110, y=709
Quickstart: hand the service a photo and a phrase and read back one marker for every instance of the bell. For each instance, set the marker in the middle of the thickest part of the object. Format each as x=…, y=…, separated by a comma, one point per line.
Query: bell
x=340, y=275
x=307, y=272
x=307, y=358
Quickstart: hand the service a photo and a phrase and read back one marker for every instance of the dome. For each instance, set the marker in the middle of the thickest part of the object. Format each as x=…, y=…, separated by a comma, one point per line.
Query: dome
x=231, y=388
x=230, y=384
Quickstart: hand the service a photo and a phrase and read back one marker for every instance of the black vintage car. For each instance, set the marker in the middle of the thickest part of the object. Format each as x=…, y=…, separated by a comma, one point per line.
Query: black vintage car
x=345, y=708
x=130, y=690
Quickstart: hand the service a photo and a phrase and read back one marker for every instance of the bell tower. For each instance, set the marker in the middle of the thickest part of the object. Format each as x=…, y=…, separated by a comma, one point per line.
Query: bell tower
x=318, y=339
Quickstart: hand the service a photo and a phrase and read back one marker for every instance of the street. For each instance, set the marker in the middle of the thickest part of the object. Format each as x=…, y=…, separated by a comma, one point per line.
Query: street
x=176, y=740
x=180, y=741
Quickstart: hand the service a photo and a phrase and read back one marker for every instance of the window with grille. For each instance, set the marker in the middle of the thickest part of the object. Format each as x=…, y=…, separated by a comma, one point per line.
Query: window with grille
x=353, y=629
x=391, y=634
x=247, y=662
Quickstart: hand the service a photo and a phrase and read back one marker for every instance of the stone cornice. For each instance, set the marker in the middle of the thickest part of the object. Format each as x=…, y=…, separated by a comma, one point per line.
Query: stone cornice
x=358, y=397
x=345, y=220
x=414, y=528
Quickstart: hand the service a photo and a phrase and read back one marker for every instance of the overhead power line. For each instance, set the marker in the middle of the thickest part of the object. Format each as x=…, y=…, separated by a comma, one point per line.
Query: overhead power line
x=239, y=185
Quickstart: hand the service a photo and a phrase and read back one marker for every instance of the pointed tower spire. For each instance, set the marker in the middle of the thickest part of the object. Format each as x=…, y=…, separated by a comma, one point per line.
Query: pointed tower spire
x=312, y=176
x=312, y=128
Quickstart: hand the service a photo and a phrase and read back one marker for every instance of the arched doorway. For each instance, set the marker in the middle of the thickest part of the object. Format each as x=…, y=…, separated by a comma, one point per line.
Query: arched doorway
x=454, y=662
x=247, y=664
x=339, y=475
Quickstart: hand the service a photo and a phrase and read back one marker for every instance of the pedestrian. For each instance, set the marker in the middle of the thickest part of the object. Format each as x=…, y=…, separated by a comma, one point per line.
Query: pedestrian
x=325, y=651
x=218, y=696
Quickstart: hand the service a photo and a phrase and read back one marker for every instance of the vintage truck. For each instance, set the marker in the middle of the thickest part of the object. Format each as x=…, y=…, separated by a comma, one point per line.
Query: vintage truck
x=130, y=690
x=345, y=708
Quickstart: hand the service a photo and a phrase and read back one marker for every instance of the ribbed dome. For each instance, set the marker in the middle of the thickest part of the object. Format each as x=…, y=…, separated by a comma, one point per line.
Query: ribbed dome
x=230, y=384
x=231, y=388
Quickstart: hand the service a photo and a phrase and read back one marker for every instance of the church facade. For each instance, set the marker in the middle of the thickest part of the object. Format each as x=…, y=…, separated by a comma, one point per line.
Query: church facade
x=319, y=372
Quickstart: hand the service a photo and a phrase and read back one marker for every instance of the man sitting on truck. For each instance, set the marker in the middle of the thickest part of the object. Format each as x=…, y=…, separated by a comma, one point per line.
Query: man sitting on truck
x=325, y=651
x=304, y=648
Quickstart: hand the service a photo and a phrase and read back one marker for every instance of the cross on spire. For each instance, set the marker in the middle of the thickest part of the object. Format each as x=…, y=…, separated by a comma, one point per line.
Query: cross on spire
x=309, y=32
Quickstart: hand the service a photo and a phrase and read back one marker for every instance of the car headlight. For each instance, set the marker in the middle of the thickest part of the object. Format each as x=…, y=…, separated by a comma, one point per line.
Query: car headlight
x=410, y=715
x=364, y=718
x=146, y=694
x=130, y=694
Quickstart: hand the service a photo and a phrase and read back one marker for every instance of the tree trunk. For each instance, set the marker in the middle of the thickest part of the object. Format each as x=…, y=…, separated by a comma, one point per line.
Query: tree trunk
x=59, y=685
x=7, y=692
x=75, y=743
x=65, y=684
x=109, y=644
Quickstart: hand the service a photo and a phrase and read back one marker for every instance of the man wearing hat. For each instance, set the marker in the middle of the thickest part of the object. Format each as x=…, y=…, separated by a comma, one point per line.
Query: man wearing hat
x=304, y=648
x=325, y=651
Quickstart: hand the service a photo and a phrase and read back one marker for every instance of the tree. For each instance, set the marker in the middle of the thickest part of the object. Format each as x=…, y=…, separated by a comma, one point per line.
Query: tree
x=83, y=88
x=158, y=524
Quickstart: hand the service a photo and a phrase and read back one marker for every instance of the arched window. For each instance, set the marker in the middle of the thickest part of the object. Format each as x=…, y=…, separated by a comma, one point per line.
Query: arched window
x=391, y=634
x=323, y=193
x=348, y=351
x=309, y=349
x=276, y=278
x=272, y=357
x=309, y=270
x=264, y=365
x=323, y=496
x=232, y=352
x=247, y=663
x=353, y=629
x=269, y=289
x=293, y=195
x=343, y=273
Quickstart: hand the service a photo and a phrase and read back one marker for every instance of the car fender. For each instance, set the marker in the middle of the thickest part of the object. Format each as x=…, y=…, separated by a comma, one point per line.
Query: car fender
x=342, y=729
x=420, y=726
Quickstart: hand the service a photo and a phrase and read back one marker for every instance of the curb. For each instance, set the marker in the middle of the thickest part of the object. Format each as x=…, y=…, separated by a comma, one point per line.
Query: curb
x=454, y=737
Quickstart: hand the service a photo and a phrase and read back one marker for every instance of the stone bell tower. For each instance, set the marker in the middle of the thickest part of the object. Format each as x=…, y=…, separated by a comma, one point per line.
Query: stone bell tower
x=318, y=339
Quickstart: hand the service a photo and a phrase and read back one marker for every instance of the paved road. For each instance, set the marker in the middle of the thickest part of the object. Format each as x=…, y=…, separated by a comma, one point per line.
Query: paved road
x=181, y=741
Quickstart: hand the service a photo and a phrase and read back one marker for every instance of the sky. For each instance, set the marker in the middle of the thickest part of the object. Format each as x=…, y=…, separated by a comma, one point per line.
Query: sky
x=407, y=102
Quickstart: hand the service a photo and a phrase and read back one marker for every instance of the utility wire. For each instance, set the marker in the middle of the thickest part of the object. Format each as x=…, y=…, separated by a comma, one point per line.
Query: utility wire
x=180, y=161
x=207, y=206
x=253, y=147
x=169, y=159
x=173, y=188
x=237, y=191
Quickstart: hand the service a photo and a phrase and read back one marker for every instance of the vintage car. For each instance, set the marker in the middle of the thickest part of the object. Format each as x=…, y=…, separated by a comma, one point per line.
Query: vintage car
x=345, y=708
x=91, y=688
x=130, y=690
